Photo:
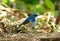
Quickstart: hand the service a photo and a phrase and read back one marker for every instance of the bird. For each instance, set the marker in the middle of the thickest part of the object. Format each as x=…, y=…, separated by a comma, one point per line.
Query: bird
x=31, y=18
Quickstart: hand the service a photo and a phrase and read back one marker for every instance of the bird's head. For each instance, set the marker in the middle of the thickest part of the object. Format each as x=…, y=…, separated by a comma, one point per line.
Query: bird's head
x=35, y=15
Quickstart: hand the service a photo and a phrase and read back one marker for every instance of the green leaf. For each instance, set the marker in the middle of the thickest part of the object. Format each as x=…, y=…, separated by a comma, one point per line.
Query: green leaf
x=39, y=8
x=49, y=5
x=31, y=8
x=4, y=1
x=20, y=5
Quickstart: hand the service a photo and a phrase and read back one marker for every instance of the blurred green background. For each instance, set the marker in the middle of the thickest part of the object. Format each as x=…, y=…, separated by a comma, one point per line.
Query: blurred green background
x=39, y=6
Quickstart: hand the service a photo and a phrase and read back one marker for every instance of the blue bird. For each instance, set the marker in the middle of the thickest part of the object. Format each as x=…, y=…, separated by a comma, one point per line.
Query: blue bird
x=31, y=18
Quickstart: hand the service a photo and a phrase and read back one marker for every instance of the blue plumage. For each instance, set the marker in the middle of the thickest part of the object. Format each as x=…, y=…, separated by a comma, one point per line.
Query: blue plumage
x=29, y=19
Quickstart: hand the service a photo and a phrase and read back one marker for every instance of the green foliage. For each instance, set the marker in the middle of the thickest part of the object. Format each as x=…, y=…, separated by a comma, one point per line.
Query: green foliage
x=32, y=5
x=30, y=1
x=39, y=8
x=36, y=8
x=31, y=8
x=7, y=2
x=49, y=5
x=20, y=5
x=4, y=1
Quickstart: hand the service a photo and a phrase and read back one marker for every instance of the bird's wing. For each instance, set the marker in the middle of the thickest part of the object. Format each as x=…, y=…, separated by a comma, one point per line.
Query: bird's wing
x=24, y=22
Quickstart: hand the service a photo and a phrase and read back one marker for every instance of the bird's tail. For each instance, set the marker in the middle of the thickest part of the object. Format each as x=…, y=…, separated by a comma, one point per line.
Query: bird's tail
x=17, y=28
